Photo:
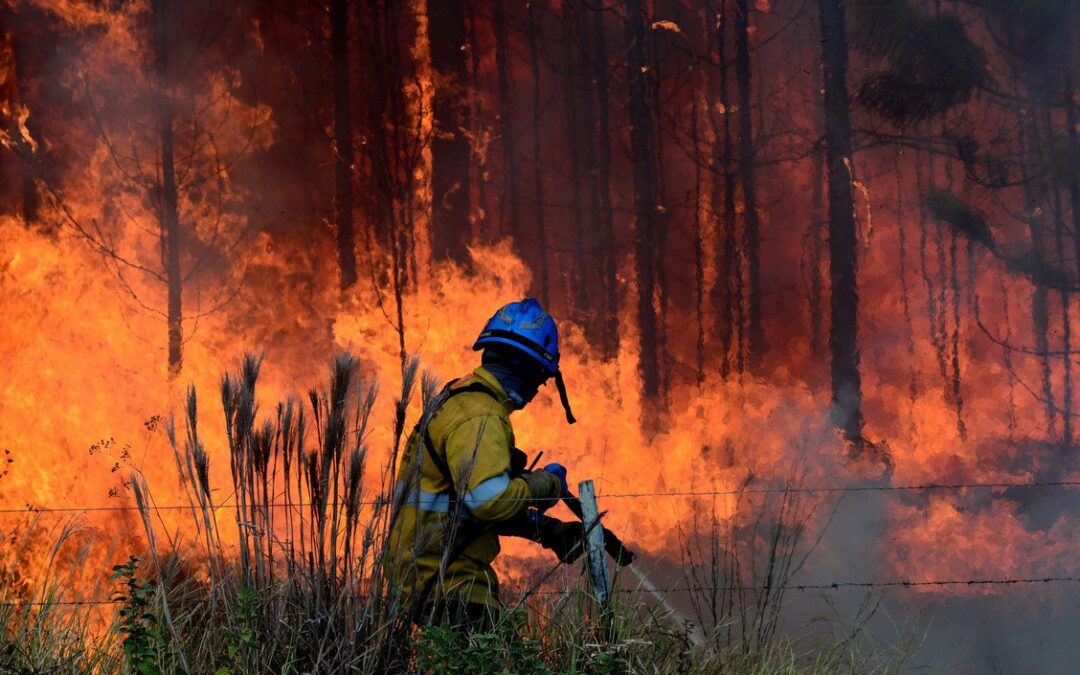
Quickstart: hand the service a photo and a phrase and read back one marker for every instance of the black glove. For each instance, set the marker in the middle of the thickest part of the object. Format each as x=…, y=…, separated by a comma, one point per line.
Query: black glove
x=545, y=488
x=519, y=461
x=566, y=540
x=525, y=525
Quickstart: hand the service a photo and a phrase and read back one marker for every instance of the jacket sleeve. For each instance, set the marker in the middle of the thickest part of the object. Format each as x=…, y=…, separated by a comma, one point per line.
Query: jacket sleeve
x=478, y=455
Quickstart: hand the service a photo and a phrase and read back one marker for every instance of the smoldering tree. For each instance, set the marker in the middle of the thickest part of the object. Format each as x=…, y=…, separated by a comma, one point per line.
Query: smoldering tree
x=932, y=84
x=843, y=254
x=343, y=142
x=450, y=148
x=168, y=126
x=17, y=190
x=395, y=141
x=645, y=204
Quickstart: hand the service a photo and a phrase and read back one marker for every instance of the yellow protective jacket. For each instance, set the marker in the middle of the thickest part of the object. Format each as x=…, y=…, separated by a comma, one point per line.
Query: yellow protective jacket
x=471, y=432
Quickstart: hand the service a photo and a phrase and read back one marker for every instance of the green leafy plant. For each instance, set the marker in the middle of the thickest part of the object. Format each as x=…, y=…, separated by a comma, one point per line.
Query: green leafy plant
x=504, y=650
x=241, y=637
x=138, y=624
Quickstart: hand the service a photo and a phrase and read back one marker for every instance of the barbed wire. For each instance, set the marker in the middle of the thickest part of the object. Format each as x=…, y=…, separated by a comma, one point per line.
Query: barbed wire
x=837, y=585
x=897, y=583
x=612, y=495
x=849, y=488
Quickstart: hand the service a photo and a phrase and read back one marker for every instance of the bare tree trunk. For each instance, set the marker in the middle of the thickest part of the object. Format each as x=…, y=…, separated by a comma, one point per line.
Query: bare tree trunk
x=699, y=259
x=1074, y=182
x=579, y=288
x=599, y=326
x=817, y=252
x=956, y=380
x=905, y=291
x=727, y=296
x=935, y=318
x=343, y=145
x=450, y=144
x=756, y=336
x=661, y=223
x=843, y=334
x=1074, y=204
x=1058, y=211
x=169, y=213
x=1040, y=295
x=477, y=218
x=538, y=181
x=644, y=197
x=18, y=191
x=392, y=150
x=609, y=258
x=508, y=201
x=1006, y=349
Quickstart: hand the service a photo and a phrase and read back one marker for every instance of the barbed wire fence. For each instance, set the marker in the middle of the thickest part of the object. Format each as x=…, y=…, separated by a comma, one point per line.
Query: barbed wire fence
x=30, y=509
x=901, y=584
x=839, y=585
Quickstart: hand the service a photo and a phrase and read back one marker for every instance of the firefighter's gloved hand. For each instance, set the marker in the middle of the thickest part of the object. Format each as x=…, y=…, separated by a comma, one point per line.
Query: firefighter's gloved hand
x=566, y=540
x=526, y=525
x=545, y=488
x=560, y=471
x=518, y=462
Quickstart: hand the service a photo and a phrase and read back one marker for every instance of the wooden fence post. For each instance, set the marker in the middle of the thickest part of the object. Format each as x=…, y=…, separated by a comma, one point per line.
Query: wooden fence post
x=598, y=568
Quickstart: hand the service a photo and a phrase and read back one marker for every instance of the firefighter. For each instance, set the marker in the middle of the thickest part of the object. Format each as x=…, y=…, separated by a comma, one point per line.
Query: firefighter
x=462, y=483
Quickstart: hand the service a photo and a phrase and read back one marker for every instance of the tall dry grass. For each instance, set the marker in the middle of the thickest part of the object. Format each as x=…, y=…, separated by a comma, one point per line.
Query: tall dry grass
x=282, y=572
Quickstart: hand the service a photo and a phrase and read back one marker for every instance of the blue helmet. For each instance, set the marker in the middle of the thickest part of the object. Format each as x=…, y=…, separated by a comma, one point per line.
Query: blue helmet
x=525, y=326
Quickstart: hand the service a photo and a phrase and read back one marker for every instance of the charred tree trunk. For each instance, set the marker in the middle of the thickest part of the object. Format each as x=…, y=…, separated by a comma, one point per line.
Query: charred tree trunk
x=477, y=217
x=755, y=333
x=905, y=290
x=699, y=239
x=1074, y=203
x=10, y=172
x=369, y=113
x=372, y=74
x=956, y=382
x=343, y=145
x=726, y=294
x=1058, y=212
x=169, y=217
x=450, y=143
x=392, y=149
x=1074, y=181
x=18, y=191
x=932, y=282
x=579, y=290
x=538, y=181
x=644, y=197
x=508, y=203
x=843, y=334
x=816, y=296
x=609, y=259
x=1040, y=295
x=661, y=223
x=590, y=171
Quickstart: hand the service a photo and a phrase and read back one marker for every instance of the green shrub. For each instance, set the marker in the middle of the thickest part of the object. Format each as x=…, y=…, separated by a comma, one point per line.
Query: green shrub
x=503, y=650
x=143, y=641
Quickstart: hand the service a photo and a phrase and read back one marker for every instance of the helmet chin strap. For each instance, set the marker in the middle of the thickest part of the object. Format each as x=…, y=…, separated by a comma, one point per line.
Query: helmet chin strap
x=561, y=386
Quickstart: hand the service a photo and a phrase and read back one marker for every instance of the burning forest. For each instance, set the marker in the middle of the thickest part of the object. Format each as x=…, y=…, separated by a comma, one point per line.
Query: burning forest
x=805, y=272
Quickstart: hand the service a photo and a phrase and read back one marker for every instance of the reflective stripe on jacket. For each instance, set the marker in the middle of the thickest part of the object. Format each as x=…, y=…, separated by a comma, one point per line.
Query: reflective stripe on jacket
x=471, y=433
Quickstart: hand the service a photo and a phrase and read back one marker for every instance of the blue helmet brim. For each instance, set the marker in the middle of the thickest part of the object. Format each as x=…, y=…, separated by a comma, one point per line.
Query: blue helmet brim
x=544, y=358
